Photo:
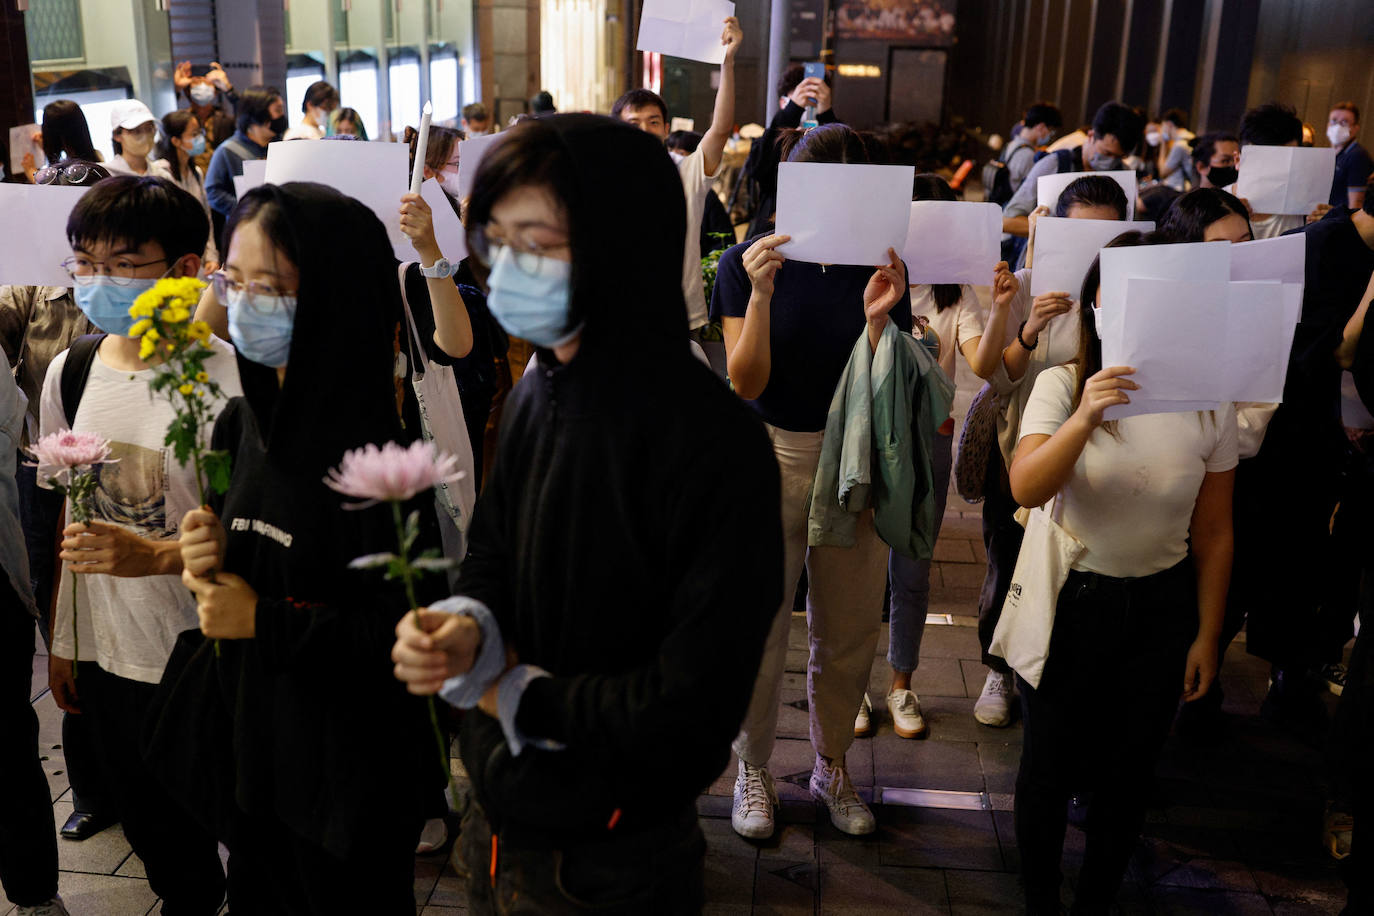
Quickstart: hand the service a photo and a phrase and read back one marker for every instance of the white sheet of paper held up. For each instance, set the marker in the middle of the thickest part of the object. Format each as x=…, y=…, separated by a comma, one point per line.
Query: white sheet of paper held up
x=1202, y=262
x=375, y=174
x=34, y=256
x=685, y=28
x=1256, y=342
x=1285, y=179
x=255, y=172
x=21, y=142
x=470, y=154
x=240, y=187
x=1170, y=331
x=1283, y=258
x=448, y=229
x=843, y=214
x=1065, y=248
x=952, y=241
x=1049, y=187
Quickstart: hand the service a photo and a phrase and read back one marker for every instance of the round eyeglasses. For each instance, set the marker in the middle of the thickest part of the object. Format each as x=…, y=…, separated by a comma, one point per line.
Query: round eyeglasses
x=118, y=270
x=260, y=297
x=72, y=172
x=527, y=257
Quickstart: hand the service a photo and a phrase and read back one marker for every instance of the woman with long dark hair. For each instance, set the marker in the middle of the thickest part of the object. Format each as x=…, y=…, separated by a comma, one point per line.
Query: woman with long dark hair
x=1137, y=621
x=66, y=135
x=287, y=734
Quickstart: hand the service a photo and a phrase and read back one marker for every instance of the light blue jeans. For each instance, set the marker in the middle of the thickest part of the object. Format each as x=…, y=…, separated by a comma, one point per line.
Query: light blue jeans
x=910, y=579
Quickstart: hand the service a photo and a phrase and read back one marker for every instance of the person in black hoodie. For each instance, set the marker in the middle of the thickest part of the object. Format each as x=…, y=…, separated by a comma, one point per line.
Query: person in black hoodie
x=286, y=734
x=625, y=556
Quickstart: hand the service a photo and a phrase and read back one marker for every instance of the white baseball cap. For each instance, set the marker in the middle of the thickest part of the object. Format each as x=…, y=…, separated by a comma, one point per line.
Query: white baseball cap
x=130, y=113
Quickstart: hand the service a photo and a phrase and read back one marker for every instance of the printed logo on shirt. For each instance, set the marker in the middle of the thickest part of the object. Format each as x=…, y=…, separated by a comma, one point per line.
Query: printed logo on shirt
x=132, y=490
x=258, y=526
x=1015, y=591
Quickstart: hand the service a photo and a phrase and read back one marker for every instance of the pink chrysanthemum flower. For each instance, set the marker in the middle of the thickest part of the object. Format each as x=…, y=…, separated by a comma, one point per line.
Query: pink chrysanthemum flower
x=65, y=450
x=391, y=473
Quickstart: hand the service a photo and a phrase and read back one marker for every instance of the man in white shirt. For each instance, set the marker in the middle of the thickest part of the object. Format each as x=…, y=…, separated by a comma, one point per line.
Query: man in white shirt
x=647, y=111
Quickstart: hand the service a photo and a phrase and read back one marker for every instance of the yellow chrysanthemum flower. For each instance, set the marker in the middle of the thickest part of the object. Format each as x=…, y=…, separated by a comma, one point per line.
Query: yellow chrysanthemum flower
x=146, y=349
x=198, y=330
x=202, y=377
x=187, y=388
x=140, y=327
x=144, y=306
x=176, y=315
x=151, y=335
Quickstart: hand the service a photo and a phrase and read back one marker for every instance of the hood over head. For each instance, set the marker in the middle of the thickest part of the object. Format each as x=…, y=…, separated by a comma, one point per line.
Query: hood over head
x=339, y=392
x=626, y=224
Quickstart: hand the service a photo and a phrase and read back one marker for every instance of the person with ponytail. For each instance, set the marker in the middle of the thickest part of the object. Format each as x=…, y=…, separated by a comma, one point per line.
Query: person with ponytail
x=182, y=141
x=1138, y=618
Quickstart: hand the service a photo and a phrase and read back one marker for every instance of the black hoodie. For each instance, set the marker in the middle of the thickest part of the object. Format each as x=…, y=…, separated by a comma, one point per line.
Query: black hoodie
x=628, y=540
x=305, y=724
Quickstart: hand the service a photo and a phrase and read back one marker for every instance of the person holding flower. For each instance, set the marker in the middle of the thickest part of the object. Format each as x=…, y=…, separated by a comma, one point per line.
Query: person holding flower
x=625, y=556
x=128, y=233
x=290, y=739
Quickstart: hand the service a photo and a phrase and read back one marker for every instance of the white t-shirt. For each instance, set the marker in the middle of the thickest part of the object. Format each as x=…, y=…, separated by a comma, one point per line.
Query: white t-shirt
x=1273, y=225
x=696, y=184
x=129, y=625
x=955, y=326
x=304, y=131
x=1130, y=499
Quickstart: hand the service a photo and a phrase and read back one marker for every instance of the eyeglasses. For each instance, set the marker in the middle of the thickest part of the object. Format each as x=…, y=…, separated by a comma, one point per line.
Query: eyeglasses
x=119, y=271
x=260, y=297
x=74, y=172
x=526, y=256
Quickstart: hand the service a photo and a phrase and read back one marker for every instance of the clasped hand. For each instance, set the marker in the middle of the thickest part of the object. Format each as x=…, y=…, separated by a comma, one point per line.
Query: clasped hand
x=226, y=604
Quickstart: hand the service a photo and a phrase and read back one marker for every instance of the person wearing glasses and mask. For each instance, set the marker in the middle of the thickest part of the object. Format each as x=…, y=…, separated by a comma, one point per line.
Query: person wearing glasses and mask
x=183, y=139
x=261, y=736
x=134, y=133
x=125, y=592
x=597, y=719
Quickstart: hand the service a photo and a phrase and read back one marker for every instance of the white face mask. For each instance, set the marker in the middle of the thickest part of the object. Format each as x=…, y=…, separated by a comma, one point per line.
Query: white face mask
x=202, y=93
x=1338, y=134
x=1153, y=137
x=677, y=157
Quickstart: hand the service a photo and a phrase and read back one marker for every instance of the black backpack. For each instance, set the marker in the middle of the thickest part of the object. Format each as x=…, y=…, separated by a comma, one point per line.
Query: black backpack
x=75, y=371
x=996, y=182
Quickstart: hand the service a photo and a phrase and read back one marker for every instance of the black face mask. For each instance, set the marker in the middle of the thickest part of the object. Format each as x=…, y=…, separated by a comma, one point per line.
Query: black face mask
x=1222, y=176
x=279, y=126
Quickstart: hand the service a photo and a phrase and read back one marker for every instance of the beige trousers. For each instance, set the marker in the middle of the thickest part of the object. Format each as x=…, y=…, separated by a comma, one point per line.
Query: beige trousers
x=844, y=611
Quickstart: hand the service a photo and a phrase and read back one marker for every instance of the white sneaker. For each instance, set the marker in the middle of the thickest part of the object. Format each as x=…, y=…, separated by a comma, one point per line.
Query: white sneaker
x=433, y=836
x=831, y=785
x=755, y=798
x=994, y=703
x=863, y=722
x=53, y=907
x=907, y=720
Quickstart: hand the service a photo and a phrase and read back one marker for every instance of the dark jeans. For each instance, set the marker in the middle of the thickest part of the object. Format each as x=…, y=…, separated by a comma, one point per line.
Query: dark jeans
x=40, y=512
x=1002, y=540
x=181, y=857
x=28, y=842
x=1096, y=724
x=1350, y=547
x=1353, y=765
x=656, y=870
x=274, y=872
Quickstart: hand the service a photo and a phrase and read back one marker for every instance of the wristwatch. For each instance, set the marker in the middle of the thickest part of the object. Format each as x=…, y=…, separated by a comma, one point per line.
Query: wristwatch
x=441, y=269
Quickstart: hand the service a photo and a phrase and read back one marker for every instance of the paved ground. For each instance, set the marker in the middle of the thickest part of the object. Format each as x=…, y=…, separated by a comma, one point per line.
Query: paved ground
x=1235, y=827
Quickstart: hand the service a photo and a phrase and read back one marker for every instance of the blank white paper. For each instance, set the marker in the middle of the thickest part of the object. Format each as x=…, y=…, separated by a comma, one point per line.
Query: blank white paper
x=1049, y=187
x=685, y=28
x=952, y=241
x=375, y=174
x=21, y=142
x=470, y=155
x=1286, y=179
x=34, y=256
x=1283, y=258
x=1171, y=332
x=255, y=172
x=1256, y=342
x=1203, y=262
x=839, y=213
x=448, y=229
x=1065, y=248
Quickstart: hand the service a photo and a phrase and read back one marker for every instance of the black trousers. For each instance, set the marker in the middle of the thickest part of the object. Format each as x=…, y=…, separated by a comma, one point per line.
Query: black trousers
x=275, y=872
x=28, y=842
x=1096, y=724
x=656, y=870
x=181, y=857
x=1002, y=540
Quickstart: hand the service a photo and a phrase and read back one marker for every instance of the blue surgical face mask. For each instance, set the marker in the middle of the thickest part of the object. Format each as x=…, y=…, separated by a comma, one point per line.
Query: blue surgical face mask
x=532, y=305
x=106, y=304
x=197, y=146
x=262, y=332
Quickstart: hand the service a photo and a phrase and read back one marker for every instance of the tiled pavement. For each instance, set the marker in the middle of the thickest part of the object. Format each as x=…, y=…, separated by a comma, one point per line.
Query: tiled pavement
x=1235, y=827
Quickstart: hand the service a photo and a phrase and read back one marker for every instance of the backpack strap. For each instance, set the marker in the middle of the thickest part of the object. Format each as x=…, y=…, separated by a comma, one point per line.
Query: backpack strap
x=238, y=149
x=75, y=371
x=1063, y=160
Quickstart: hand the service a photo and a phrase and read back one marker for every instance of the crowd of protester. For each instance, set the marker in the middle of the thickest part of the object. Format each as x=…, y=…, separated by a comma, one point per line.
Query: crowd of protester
x=618, y=620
